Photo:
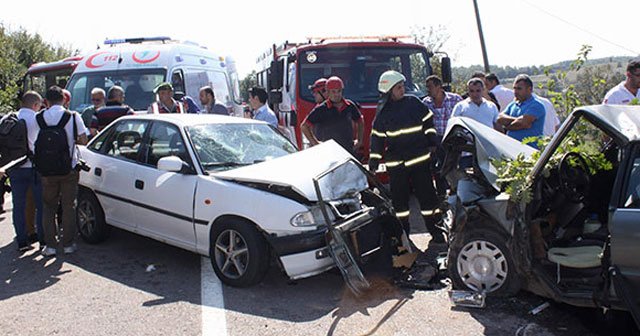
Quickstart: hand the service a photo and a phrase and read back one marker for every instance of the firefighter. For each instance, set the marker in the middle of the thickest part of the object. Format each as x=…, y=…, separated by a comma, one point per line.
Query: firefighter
x=404, y=126
x=319, y=90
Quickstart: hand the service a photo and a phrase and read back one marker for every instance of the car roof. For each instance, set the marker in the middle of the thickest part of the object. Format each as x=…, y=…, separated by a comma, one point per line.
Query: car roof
x=190, y=119
x=623, y=119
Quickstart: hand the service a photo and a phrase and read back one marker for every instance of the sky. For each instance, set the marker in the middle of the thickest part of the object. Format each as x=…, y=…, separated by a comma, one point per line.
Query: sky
x=516, y=32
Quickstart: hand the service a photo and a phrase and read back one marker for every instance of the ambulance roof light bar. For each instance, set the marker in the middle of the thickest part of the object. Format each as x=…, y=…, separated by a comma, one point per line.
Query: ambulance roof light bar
x=163, y=39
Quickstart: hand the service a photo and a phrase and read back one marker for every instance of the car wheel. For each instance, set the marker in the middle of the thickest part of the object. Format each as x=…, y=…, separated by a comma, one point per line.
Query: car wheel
x=483, y=263
x=90, y=218
x=239, y=253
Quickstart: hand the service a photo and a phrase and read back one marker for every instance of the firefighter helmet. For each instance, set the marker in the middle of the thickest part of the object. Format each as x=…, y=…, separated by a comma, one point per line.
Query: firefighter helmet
x=318, y=85
x=334, y=82
x=388, y=79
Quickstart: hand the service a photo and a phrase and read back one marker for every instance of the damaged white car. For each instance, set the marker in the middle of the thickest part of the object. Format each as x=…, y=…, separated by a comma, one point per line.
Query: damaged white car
x=235, y=190
x=562, y=222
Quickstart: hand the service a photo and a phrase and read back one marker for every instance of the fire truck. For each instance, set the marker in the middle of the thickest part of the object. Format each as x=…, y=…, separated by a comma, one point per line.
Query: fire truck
x=41, y=76
x=287, y=71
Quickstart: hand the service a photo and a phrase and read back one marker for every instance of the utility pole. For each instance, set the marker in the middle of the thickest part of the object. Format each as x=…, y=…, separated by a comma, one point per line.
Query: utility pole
x=484, y=48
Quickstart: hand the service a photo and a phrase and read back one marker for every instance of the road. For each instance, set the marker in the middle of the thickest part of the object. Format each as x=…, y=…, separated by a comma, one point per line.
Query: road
x=131, y=285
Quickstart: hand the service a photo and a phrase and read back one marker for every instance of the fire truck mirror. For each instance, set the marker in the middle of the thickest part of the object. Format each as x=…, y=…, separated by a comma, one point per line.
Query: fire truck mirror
x=275, y=97
x=275, y=75
x=446, y=69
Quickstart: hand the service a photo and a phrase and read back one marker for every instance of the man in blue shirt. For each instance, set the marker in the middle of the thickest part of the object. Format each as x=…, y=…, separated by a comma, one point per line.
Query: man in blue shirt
x=523, y=117
x=258, y=101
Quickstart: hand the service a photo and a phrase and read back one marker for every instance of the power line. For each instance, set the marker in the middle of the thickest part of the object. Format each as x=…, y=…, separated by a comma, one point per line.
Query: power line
x=580, y=28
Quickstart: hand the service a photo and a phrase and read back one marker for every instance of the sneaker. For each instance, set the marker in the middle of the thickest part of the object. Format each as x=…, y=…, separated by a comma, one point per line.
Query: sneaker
x=48, y=251
x=70, y=249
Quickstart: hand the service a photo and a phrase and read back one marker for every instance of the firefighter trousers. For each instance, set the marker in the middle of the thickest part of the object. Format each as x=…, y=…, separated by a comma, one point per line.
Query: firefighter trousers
x=415, y=179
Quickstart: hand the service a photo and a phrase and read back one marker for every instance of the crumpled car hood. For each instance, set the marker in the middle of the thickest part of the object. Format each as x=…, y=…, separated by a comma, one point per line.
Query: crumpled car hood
x=297, y=171
x=489, y=144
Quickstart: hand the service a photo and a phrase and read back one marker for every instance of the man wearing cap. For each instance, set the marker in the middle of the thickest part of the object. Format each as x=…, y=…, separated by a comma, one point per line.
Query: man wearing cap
x=627, y=92
x=319, y=90
x=165, y=102
x=334, y=118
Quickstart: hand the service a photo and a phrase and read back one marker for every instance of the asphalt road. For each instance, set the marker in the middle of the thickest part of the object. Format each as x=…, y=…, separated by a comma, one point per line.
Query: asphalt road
x=112, y=289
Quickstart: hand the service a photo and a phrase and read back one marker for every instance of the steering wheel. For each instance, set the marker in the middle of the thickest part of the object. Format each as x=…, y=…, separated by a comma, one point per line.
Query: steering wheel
x=573, y=173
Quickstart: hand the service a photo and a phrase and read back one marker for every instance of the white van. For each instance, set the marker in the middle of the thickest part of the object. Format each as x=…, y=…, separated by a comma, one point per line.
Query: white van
x=138, y=65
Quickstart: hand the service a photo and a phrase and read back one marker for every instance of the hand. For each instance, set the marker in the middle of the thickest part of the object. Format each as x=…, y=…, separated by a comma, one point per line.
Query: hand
x=357, y=145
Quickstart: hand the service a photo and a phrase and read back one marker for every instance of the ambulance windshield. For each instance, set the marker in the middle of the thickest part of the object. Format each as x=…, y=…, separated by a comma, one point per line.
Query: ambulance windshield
x=138, y=86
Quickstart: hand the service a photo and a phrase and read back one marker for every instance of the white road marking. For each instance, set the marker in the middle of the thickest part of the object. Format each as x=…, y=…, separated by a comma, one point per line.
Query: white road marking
x=214, y=321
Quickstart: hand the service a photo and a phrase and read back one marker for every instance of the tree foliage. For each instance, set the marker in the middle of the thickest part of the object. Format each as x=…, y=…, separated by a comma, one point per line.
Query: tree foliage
x=246, y=83
x=18, y=50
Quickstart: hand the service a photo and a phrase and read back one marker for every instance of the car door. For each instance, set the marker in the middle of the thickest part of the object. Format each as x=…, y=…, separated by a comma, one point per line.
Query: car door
x=113, y=168
x=625, y=225
x=163, y=204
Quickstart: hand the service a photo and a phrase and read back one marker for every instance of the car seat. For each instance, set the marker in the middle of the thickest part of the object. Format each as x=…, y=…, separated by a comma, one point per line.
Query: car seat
x=127, y=142
x=177, y=148
x=579, y=263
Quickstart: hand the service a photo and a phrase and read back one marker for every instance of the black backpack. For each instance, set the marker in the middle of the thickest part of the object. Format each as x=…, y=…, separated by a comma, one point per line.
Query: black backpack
x=14, y=141
x=52, y=156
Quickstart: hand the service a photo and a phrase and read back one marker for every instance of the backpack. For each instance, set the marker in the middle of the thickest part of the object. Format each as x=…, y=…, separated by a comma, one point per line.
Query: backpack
x=52, y=156
x=14, y=141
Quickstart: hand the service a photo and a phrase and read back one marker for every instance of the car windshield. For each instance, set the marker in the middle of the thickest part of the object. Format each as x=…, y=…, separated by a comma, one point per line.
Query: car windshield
x=138, y=86
x=225, y=146
x=361, y=67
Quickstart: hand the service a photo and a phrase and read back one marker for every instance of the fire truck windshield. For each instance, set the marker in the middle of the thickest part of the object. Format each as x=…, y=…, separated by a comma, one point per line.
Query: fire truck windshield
x=138, y=86
x=360, y=68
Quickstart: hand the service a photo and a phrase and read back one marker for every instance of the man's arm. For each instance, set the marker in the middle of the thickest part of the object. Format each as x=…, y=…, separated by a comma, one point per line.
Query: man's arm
x=360, y=127
x=521, y=122
x=306, y=130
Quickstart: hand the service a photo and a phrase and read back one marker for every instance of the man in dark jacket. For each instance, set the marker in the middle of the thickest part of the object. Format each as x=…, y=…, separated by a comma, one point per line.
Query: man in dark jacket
x=114, y=109
x=404, y=126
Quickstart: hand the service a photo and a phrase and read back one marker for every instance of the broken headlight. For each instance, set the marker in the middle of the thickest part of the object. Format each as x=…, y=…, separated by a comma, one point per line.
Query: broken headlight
x=312, y=217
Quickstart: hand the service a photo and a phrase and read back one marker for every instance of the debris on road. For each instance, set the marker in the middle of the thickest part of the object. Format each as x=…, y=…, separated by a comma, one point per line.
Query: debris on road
x=539, y=308
x=151, y=268
x=470, y=299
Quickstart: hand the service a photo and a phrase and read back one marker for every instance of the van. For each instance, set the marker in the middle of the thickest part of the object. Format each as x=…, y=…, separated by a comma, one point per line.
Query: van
x=138, y=65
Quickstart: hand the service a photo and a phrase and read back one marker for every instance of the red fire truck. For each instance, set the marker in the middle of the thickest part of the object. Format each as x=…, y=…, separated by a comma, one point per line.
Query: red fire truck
x=288, y=70
x=41, y=76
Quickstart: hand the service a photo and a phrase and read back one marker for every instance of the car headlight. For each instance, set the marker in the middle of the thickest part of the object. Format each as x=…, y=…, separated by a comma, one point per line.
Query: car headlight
x=312, y=217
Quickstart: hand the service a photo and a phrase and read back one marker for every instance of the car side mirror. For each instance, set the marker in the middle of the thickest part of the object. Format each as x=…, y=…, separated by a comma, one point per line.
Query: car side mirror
x=171, y=164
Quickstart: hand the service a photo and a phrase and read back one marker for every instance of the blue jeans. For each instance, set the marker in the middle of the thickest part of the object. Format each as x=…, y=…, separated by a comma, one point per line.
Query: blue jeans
x=21, y=180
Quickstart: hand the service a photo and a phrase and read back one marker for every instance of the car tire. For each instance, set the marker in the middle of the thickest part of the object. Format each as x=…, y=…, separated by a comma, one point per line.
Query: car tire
x=90, y=218
x=481, y=262
x=239, y=254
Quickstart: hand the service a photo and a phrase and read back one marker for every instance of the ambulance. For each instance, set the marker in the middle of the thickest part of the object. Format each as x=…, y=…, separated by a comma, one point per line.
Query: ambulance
x=138, y=65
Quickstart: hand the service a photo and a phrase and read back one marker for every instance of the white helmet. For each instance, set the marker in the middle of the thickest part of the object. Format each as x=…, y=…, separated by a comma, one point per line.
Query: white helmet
x=388, y=79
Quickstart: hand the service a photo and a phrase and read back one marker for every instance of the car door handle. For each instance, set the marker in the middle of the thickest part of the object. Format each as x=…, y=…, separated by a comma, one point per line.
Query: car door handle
x=97, y=171
x=139, y=184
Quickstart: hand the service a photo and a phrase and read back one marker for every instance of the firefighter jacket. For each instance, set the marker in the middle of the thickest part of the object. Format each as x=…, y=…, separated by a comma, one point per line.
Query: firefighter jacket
x=405, y=128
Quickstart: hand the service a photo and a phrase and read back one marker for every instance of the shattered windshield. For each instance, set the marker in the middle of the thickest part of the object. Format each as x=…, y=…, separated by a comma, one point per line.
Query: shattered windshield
x=225, y=146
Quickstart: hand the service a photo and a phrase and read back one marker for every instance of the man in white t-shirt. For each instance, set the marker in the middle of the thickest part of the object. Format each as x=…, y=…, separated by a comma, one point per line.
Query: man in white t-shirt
x=61, y=189
x=24, y=177
x=627, y=92
x=551, y=120
x=503, y=95
x=478, y=108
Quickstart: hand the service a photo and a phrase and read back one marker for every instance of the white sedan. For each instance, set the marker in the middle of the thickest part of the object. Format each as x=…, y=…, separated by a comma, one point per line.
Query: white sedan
x=232, y=189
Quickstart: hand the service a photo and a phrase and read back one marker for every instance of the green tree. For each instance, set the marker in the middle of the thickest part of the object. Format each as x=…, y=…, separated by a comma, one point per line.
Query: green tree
x=246, y=83
x=433, y=38
x=18, y=50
